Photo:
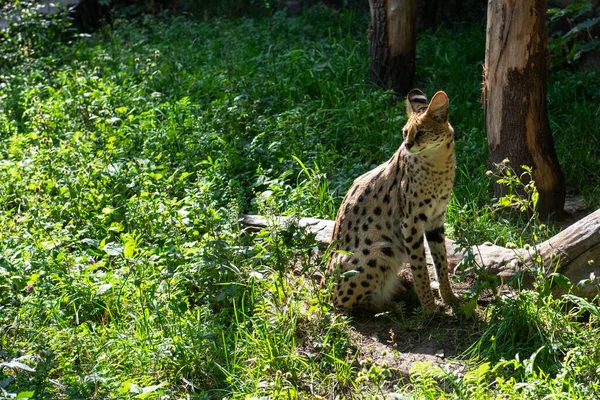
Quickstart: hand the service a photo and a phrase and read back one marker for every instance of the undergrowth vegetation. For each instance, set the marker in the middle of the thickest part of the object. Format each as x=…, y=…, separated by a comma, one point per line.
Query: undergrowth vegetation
x=126, y=157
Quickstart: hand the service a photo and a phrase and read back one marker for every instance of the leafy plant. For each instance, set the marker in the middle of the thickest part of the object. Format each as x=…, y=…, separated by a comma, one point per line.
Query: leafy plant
x=571, y=45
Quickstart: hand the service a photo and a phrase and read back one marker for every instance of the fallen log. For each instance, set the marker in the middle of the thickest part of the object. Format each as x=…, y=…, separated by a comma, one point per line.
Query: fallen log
x=574, y=252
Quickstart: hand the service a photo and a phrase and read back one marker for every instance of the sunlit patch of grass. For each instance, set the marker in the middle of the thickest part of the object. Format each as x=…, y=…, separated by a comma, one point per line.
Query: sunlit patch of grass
x=534, y=347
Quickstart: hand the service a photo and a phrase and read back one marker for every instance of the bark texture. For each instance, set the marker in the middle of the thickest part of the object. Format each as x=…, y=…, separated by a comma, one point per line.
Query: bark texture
x=514, y=97
x=574, y=252
x=392, y=43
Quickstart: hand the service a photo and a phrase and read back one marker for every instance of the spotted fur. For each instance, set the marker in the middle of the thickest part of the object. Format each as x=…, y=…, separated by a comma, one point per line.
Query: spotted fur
x=390, y=211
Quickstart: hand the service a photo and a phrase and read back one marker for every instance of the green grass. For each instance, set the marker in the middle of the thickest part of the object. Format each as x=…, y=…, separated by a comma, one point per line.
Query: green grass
x=125, y=158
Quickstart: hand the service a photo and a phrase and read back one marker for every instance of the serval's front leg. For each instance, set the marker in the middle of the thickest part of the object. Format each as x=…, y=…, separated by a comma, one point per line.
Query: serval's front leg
x=437, y=247
x=415, y=247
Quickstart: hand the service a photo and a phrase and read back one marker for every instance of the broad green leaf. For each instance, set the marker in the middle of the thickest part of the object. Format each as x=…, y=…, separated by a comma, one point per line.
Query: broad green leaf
x=90, y=242
x=560, y=280
x=17, y=364
x=469, y=307
x=349, y=274
x=534, y=199
x=113, y=249
x=148, y=390
x=103, y=289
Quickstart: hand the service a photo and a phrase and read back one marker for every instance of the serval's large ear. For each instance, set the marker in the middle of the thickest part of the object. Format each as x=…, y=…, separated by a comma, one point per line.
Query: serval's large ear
x=438, y=107
x=416, y=102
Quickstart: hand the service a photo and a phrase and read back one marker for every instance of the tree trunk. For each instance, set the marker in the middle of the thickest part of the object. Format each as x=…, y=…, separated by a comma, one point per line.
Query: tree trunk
x=514, y=97
x=392, y=38
x=574, y=252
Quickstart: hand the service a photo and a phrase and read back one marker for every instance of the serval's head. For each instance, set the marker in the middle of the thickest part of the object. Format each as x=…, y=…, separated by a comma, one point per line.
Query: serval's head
x=427, y=126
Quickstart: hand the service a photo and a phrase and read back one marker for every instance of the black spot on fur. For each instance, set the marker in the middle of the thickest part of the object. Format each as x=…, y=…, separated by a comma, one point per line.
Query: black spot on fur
x=387, y=251
x=345, y=299
x=374, y=180
x=365, y=227
x=357, y=242
x=423, y=217
x=386, y=198
x=356, y=209
x=350, y=292
x=377, y=210
x=355, y=261
x=353, y=285
x=366, y=252
x=364, y=284
x=347, y=238
x=436, y=235
x=417, y=244
x=372, y=263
